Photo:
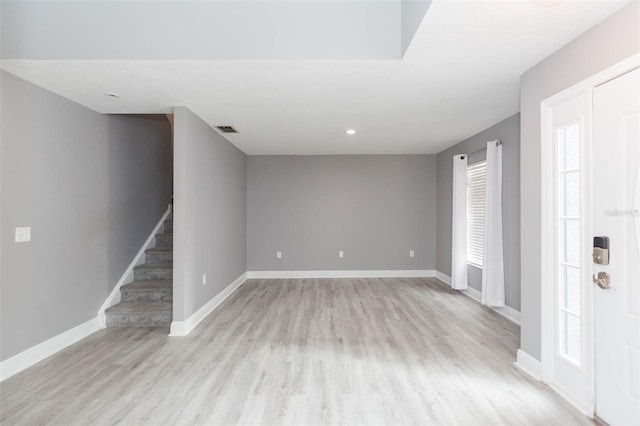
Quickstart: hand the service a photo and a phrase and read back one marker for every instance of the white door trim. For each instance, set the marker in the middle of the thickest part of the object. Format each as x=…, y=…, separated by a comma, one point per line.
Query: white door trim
x=570, y=381
x=548, y=193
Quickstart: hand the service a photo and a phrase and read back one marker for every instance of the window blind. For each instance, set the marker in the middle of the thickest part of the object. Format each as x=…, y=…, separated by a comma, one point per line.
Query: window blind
x=476, y=190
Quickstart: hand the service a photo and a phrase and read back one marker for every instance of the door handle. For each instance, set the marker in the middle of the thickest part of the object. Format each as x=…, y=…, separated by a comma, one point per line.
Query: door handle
x=603, y=280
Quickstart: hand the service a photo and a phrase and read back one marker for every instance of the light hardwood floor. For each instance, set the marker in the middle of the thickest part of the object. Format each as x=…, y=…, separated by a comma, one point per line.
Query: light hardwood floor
x=300, y=352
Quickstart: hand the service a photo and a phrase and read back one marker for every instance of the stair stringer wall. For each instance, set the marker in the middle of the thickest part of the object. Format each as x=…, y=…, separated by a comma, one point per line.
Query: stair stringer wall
x=209, y=217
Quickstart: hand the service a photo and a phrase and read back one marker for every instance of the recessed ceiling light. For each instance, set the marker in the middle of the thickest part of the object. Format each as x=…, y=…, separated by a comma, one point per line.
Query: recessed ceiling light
x=350, y=131
x=112, y=95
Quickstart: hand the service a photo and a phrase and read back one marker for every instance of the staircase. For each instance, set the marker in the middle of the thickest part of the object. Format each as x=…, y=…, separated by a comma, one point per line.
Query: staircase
x=148, y=300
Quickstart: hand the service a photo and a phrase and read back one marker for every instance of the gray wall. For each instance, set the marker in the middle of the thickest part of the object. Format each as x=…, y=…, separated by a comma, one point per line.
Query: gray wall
x=210, y=213
x=92, y=187
x=508, y=131
x=374, y=208
x=611, y=41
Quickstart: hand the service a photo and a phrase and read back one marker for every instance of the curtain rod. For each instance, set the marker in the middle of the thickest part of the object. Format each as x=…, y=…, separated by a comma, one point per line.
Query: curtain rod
x=497, y=141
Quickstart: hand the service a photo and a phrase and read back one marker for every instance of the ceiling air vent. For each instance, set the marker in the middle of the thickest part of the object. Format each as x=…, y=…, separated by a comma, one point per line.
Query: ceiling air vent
x=226, y=129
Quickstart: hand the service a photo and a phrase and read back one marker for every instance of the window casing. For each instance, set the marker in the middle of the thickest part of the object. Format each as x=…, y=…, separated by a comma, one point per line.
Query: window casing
x=476, y=190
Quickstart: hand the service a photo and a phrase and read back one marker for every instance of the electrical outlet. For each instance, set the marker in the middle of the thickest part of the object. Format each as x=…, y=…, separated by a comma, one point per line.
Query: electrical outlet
x=412, y=253
x=340, y=253
x=278, y=255
x=23, y=234
x=204, y=279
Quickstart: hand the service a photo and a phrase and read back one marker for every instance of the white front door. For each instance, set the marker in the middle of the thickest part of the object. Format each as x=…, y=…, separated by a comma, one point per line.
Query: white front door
x=616, y=215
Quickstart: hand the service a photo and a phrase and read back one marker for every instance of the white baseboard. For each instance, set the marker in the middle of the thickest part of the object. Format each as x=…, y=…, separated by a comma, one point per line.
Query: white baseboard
x=444, y=278
x=529, y=365
x=127, y=276
x=43, y=350
x=509, y=313
x=417, y=273
x=183, y=328
x=579, y=405
x=506, y=311
x=473, y=293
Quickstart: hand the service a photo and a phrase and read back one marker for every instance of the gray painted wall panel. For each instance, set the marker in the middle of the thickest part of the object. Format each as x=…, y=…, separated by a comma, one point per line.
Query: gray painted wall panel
x=210, y=213
x=374, y=208
x=92, y=187
x=508, y=131
x=613, y=40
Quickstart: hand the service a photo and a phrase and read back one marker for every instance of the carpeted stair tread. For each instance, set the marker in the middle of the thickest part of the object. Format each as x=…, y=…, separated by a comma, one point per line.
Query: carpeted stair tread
x=163, y=240
x=158, y=249
x=141, y=307
x=143, y=285
x=147, y=291
x=139, y=314
x=162, y=254
x=153, y=271
x=161, y=265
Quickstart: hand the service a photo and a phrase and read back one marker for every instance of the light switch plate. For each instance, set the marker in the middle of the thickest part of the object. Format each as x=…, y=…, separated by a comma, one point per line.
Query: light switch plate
x=278, y=255
x=412, y=253
x=340, y=253
x=23, y=234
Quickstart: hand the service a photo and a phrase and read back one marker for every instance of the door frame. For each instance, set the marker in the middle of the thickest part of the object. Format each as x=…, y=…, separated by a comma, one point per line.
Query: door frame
x=548, y=226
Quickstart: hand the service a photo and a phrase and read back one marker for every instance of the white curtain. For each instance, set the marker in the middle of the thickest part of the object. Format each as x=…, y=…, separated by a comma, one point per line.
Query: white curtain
x=493, y=269
x=459, y=224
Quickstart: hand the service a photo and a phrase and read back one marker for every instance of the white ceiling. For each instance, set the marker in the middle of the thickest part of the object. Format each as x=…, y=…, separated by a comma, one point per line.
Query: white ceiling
x=459, y=76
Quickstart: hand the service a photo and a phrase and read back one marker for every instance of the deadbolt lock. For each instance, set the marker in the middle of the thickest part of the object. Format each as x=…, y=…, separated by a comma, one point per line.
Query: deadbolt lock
x=601, y=250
